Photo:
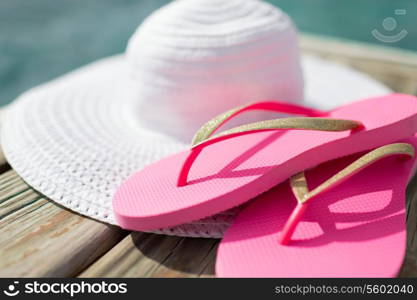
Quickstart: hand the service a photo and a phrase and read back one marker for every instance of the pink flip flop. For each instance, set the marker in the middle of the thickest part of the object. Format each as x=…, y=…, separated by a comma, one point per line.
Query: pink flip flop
x=229, y=168
x=351, y=225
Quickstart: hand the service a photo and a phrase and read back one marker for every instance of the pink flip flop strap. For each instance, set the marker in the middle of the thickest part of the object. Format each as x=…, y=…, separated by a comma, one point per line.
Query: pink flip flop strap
x=205, y=137
x=299, y=185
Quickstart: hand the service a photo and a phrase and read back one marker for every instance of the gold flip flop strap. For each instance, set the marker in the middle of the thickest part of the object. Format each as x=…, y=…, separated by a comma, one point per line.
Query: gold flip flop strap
x=300, y=189
x=211, y=126
x=204, y=135
x=311, y=123
x=300, y=123
x=299, y=184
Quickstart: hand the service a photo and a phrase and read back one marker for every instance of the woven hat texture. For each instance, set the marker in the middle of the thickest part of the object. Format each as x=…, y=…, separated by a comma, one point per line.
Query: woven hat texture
x=76, y=138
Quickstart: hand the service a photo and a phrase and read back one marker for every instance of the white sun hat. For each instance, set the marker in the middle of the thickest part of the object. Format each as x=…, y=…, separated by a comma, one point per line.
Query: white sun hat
x=75, y=139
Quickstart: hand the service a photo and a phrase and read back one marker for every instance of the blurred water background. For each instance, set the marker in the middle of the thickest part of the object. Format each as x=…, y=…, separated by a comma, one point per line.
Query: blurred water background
x=42, y=39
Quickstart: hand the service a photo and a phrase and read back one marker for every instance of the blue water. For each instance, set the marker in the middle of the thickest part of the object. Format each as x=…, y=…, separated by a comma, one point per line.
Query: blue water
x=42, y=39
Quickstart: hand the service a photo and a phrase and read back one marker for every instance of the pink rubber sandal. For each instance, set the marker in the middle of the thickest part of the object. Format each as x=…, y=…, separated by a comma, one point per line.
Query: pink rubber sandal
x=229, y=168
x=351, y=225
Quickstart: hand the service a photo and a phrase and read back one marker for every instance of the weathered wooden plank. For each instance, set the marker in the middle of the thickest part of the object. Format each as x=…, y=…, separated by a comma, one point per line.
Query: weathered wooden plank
x=153, y=255
x=40, y=238
x=396, y=68
x=188, y=259
x=125, y=259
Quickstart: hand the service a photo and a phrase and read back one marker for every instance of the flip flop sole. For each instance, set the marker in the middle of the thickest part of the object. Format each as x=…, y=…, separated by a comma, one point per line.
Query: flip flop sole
x=357, y=229
x=233, y=171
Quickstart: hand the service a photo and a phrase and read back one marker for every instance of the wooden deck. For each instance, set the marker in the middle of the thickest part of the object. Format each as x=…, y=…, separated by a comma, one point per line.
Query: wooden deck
x=40, y=238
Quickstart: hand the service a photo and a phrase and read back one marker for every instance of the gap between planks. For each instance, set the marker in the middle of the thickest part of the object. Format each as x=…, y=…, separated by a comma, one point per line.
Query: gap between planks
x=153, y=255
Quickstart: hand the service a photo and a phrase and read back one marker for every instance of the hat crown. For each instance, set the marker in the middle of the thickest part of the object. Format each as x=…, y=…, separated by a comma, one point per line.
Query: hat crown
x=193, y=59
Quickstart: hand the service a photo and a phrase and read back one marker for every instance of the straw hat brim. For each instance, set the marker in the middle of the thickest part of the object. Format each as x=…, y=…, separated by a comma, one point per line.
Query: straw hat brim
x=75, y=139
